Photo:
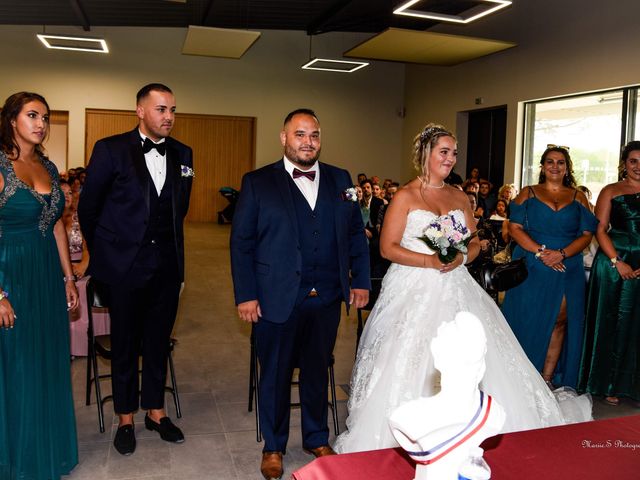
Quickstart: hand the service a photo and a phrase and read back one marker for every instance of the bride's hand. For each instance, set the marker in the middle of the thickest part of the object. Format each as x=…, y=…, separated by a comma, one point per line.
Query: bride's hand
x=447, y=267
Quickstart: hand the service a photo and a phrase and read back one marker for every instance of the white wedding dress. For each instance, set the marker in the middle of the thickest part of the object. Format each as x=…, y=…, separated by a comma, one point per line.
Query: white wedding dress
x=394, y=362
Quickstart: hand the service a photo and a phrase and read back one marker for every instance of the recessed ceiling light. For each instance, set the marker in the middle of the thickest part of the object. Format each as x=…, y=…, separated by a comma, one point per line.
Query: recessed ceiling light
x=71, y=42
x=475, y=14
x=328, y=65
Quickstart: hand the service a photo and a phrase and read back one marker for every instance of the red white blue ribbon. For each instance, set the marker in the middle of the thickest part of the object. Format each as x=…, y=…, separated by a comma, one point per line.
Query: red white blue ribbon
x=476, y=423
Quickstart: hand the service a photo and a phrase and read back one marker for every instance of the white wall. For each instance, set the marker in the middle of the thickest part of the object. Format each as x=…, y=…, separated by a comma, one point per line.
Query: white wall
x=564, y=47
x=358, y=112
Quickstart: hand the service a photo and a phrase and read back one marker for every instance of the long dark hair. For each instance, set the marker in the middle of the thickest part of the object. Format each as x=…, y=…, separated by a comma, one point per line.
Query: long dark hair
x=12, y=107
x=568, y=180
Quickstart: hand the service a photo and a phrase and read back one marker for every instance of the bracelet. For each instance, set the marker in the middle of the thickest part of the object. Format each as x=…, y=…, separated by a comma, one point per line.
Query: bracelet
x=540, y=250
x=3, y=295
x=563, y=253
x=69, y=278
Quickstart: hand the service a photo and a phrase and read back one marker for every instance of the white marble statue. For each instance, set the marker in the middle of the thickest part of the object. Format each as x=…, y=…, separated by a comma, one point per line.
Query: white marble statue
x=439, y=431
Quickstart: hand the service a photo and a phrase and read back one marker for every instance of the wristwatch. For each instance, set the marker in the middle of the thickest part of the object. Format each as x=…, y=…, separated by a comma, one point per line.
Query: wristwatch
x=614, y=261
x=3, y=295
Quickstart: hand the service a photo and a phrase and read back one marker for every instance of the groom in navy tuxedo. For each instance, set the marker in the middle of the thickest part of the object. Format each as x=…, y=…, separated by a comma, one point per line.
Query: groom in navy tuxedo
x=131, y=210
x=298, y=250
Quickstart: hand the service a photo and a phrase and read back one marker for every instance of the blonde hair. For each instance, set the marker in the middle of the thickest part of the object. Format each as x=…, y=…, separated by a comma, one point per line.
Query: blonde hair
x=424, y=142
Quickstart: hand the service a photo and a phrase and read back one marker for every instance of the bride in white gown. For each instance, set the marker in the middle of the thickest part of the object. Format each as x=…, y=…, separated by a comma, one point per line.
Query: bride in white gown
x=394, y=363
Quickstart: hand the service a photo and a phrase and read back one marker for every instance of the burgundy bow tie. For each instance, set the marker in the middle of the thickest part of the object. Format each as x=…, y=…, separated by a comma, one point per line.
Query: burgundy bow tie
x=311, y=175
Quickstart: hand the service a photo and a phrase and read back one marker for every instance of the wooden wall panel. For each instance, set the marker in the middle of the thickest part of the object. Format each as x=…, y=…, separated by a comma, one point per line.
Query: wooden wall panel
x=223, y=151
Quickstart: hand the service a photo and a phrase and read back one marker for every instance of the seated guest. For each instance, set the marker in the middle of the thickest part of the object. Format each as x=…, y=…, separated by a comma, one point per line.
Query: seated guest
x=472, y=187
x=77, y=246
x=486, y=199
x=377, y=192
x=370, y=207
x=473, y=177
x=453, y=178
x=487, y=239
x=507, y=192
x=391, y=191
x=500, y=212
x=587, y=193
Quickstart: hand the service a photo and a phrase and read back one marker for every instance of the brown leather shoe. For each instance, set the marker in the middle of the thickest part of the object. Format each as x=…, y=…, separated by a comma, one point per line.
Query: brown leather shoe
x=271, y=466
x=321, y=451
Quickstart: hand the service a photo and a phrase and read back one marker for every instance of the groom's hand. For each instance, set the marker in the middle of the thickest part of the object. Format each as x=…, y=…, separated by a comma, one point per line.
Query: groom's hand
x=249, y=311
x=358, y=297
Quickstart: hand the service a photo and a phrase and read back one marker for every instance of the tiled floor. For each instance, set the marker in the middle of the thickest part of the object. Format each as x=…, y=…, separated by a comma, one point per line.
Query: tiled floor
x=212, y=368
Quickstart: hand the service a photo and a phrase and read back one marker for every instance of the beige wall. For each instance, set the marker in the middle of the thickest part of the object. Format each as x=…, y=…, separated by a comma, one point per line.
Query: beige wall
x=564, y=47
x=358, y=111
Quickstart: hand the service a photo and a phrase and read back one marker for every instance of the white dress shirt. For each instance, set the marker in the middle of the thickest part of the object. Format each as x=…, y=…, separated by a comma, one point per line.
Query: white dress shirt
x=156, y=164
x=308, y=188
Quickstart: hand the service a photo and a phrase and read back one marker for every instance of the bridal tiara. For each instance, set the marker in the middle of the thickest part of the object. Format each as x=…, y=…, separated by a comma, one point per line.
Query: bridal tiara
x=430, y=132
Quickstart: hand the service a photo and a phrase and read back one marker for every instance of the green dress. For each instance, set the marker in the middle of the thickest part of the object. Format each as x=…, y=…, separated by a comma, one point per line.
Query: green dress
x=37, y=424
x=611, y=361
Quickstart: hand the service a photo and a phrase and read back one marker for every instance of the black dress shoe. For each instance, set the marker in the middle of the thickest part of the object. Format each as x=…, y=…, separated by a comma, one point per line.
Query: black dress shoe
x=167, y=430
x=125, y=440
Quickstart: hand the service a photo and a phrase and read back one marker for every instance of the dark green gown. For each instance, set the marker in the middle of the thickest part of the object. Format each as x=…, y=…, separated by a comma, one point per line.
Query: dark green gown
x=37, y=425
x=611, y=361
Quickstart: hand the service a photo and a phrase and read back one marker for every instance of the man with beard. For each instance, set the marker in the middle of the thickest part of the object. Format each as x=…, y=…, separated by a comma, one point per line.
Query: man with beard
x=296, y=241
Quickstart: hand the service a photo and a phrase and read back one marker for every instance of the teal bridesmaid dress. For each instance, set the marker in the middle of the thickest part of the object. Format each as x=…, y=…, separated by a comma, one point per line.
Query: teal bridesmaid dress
x=611, y=361
x=532, y=307
x=37, y=424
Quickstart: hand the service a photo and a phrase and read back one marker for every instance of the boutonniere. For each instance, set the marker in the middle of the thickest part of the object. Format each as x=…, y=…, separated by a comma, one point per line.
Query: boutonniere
x=186, y=171
x=350, y=195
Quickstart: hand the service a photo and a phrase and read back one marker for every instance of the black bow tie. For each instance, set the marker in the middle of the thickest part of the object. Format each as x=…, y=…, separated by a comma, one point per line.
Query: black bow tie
x=311, y=175
x=148, y=145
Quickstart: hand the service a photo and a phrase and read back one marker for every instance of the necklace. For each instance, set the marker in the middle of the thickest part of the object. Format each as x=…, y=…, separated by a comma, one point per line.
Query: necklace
x=428, y=185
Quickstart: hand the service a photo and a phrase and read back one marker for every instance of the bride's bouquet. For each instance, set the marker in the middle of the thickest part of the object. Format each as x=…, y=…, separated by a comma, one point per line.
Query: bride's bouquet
x=446, y=236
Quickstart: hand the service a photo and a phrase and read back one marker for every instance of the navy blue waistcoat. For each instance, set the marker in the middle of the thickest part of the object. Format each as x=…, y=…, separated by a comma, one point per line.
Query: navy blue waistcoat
x=158, y=248
x=318, y=246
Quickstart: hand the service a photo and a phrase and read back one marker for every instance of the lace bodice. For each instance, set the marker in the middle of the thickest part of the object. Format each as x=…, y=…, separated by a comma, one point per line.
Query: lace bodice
x=22, y=209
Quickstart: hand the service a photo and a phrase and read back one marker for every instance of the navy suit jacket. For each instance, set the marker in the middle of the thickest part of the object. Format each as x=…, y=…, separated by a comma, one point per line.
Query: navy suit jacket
x=114, y=203
x=265, y=254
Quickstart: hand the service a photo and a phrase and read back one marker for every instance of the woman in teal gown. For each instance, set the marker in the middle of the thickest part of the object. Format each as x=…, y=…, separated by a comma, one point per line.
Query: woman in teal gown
x=552, y=224
x=37, y=425
x=610, y=364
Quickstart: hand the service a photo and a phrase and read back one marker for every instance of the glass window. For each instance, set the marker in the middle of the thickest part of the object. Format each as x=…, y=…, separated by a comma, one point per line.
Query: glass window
x=590, y=125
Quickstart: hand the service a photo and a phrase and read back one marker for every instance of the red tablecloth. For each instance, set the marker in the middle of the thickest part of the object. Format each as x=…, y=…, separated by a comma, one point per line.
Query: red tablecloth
x=604, y=449
x=79, y=322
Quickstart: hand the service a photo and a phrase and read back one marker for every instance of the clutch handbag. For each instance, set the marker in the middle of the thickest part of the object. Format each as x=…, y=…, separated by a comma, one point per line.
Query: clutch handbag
x=498, y=277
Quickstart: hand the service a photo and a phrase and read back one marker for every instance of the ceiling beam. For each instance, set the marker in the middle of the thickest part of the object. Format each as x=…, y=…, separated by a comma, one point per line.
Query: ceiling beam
x=80, y=13
x=316, y=24
x=207, y=12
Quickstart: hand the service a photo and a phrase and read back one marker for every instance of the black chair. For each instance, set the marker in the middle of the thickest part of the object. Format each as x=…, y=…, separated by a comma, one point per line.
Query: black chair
x=376, y=285
x=101, y=346
x=254, y=378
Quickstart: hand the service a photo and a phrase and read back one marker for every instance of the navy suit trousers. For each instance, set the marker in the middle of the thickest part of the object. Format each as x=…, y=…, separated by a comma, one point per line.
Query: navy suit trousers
x=306, y=341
